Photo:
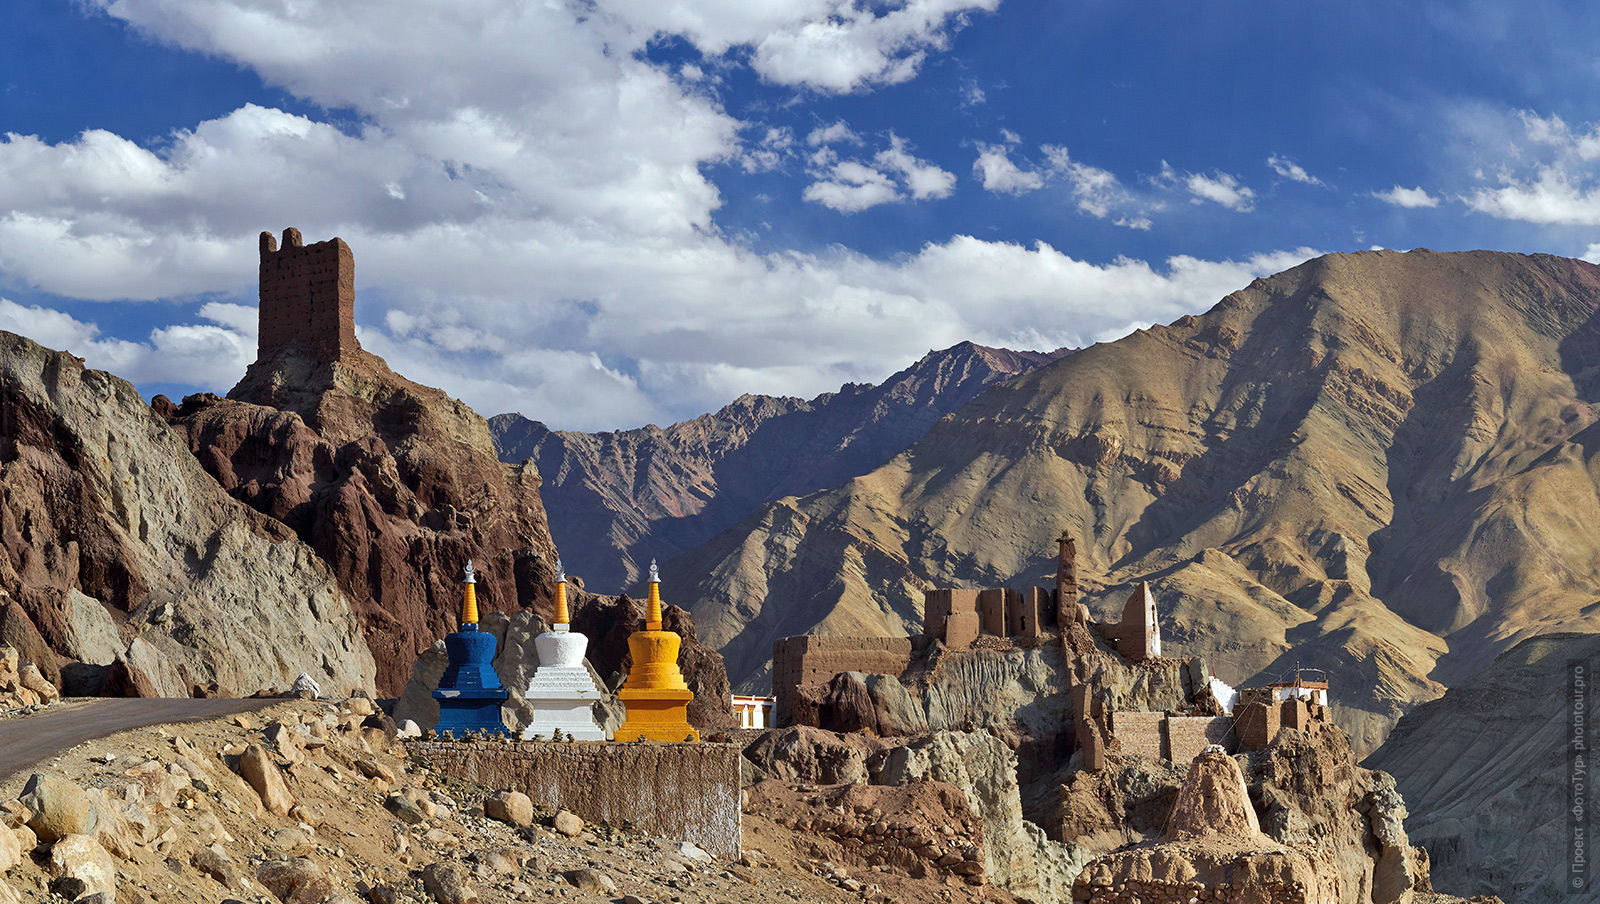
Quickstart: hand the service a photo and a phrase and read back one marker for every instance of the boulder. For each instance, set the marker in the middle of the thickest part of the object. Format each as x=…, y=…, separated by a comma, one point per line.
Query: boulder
x=59, y=808
x=29, y=676
x=215, y=862
x=449, y=883
x=567, y=823
x=263, y=774
x=81, y=857
x=10, y=848
x=295, y=880
x=591, y=881
x=508, y=806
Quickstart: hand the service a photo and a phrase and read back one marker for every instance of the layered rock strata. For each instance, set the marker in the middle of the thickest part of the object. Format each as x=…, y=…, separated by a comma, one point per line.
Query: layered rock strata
x=121, y=558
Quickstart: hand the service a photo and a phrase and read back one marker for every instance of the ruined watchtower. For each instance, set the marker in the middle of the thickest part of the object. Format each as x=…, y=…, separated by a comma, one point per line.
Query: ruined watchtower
x=308, y=296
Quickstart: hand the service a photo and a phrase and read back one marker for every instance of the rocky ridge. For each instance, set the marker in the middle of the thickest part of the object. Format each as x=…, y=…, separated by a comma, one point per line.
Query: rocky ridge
x=1484, y=770
x=121, y=560
x=618, y=498
x=395, y=485
x=1379, y=464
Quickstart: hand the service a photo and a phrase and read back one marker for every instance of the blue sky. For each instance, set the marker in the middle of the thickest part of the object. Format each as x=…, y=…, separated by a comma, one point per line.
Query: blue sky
x=609, y=213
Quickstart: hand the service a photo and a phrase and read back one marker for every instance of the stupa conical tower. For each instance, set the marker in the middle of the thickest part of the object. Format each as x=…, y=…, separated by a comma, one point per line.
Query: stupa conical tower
x=561, y=693
x=469, y=691
x=655, y=693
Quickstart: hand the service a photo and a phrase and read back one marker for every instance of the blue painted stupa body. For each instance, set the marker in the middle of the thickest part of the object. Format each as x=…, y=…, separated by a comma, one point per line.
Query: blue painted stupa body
x=469, y=691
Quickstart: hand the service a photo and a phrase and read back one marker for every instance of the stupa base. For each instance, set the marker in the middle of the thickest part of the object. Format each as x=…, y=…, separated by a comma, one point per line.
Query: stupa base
x=657, y=715
x=461, y=712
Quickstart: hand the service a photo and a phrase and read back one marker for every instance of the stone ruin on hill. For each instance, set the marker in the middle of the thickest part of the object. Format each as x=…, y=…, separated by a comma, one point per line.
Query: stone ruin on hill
x=308, y=296
x=1180, y=711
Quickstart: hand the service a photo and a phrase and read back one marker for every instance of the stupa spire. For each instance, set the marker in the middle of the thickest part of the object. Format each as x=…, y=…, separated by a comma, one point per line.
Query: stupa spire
x=652, y=612
x=469, y=596
x=562, y=616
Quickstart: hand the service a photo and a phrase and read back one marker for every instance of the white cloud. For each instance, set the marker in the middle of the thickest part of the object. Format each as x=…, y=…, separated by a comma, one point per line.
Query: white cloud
x=851, y=46
x=1099, y=192
x=213, y=353
x=849, y=186
x=532, y=223
x=852, y=187
x=1292, y=171
x=1591, y=254
x=1551, y=177
x=924, y=179
x=1219, y=188
x=836, y=132
x=1407, y=197
x=1000, y=175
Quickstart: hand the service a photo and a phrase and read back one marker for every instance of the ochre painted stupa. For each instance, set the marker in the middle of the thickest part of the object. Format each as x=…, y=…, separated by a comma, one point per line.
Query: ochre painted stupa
x=469, y=691
x=655, y=693
x=561, y=694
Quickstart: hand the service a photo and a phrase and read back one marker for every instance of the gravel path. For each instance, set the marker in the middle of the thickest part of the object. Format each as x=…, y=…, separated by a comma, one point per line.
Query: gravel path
x=27, y=740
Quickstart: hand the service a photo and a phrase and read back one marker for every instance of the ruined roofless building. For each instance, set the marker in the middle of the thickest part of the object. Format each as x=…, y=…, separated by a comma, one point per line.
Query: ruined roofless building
x=308, y=297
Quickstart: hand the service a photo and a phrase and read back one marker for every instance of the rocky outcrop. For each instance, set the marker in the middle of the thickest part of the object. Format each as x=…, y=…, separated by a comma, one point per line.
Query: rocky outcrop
x=1213, y=849
x=1320, y=827
x=1381, y=464
x=608, y=622
x=114, y=539
x=1483, y=771
x=1017, y=853
x=395, y=485
x=617, y=499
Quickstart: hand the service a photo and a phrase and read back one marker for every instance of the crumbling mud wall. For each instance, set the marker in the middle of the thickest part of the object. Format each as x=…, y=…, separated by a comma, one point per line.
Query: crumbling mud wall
x=683, y=792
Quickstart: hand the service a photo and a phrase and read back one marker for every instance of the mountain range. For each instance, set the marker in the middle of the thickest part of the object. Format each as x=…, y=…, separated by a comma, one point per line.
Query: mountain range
x=619, y=498
x=1380, y=464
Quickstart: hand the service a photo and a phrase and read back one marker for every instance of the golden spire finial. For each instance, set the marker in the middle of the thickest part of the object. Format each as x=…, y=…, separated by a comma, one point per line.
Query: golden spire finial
x=469, y=596
x=652, y=614
x=562, y=616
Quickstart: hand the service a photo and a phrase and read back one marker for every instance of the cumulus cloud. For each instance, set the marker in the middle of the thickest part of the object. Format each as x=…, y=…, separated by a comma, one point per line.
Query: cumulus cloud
x=1550, y=177
x=1407, y=197
x=1292, y=171
x=836, y=132
x=215, y=352
x=1219, y=188
x=849, y=186
x=532, y=221
x=1592, y=253
x=999, y=174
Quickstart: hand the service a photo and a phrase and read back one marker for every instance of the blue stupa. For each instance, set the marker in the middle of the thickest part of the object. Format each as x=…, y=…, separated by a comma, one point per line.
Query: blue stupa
x=469, y=692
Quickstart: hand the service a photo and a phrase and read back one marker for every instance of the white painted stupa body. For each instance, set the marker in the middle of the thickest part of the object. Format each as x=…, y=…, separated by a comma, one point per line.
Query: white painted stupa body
x=561, y=694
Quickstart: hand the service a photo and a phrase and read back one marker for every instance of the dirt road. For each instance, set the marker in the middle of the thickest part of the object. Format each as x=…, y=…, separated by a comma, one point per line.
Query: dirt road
x=32, y=739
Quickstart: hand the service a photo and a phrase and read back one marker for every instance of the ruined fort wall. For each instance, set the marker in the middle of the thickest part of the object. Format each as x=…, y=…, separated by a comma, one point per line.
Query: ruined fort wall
x=1188, y=736
x=1139, y=733
x=307, y=295
x=682, y=792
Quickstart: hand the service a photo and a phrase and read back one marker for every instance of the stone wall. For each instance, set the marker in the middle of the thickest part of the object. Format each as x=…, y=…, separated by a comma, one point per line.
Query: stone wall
x=307, y=295
x=1140, y=733
x=681, y=792
x=810, y=661
x=1176, y=739
x=1187, y=736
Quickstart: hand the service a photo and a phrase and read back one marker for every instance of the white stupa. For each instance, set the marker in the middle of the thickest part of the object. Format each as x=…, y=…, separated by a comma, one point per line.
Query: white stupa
x=561, y=694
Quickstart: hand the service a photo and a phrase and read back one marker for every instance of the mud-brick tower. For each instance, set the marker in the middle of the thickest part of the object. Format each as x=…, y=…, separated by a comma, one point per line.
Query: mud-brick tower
x=308, y=297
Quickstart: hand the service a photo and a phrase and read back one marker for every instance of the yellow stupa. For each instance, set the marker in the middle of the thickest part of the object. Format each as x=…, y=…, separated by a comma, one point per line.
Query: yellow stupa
x=655, y=693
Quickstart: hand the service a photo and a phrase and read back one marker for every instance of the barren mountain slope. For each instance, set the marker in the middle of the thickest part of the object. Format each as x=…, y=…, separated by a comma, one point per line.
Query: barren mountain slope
x=617, y=499
x=1484, y=769
x=117, y=549
x=1381, y=464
